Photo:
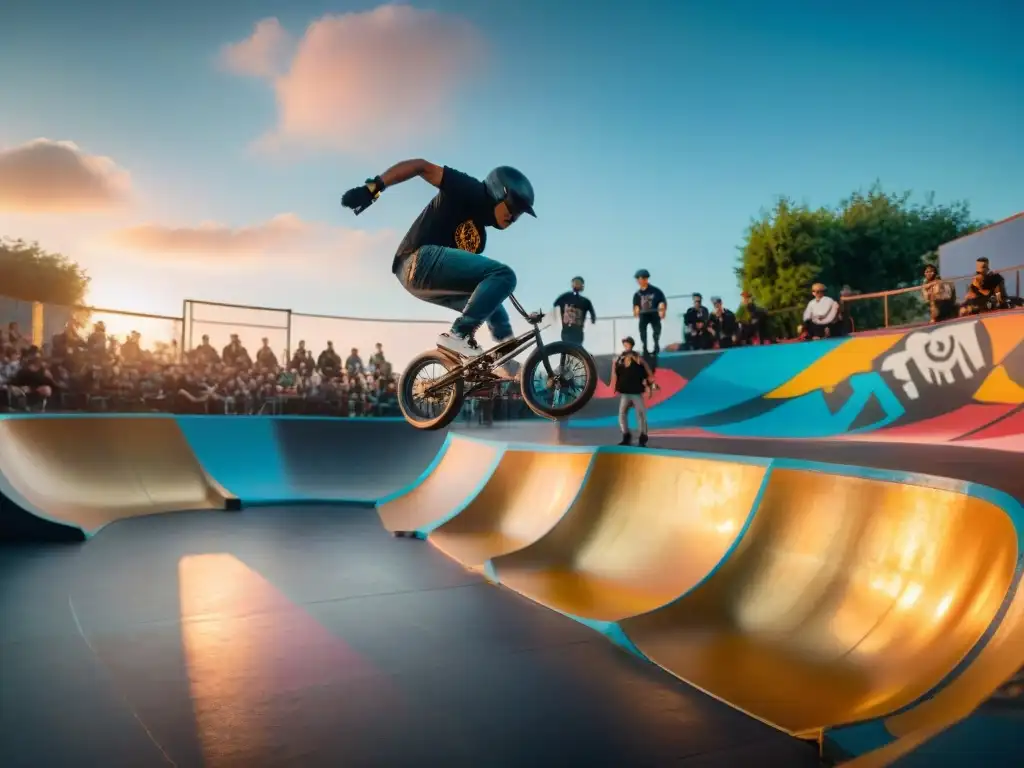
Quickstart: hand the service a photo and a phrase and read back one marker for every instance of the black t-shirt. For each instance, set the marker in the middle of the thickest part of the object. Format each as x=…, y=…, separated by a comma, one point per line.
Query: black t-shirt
x=648, y=299
x=455, y=218
x=630, y=374
x=574, y=309
x=698, y=318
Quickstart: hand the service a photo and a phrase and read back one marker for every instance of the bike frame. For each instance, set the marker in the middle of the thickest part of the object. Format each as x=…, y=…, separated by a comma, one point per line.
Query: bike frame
x=507, y=350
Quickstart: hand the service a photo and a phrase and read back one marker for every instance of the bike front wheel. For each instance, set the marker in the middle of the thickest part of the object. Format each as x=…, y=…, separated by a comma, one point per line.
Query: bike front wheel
x=435, y=411
x=568, y=387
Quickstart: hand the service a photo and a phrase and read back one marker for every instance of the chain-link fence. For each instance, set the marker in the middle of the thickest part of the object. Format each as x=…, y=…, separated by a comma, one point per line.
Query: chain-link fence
x=213, y=323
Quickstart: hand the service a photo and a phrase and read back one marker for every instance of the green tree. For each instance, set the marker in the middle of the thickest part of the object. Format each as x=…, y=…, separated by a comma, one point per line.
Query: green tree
x=874, y=241
x=30, y=273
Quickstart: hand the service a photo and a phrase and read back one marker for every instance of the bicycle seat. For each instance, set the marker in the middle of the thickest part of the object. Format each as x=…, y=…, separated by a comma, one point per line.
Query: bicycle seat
x=534, y=318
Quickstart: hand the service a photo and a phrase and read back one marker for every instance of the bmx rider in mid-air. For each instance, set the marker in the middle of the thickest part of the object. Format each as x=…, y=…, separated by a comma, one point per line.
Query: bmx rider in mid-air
x=440, y=261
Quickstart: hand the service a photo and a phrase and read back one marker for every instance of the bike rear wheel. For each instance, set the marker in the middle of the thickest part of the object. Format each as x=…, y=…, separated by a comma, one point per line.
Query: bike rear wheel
x=435, y=411
x=569, y=388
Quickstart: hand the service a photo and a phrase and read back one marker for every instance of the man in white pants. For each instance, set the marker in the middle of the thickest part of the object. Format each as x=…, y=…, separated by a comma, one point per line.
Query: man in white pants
x=631, y=376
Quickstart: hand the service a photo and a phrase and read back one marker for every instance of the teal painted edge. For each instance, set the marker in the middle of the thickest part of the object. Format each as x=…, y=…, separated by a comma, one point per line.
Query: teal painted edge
x=423, y=475
x=515, y=445
x=162, y=415
x=867, y=736
x=70, y=415
x=424, y=531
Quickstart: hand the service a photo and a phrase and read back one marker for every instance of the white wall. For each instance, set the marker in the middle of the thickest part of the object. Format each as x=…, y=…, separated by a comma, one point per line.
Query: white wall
x=1003, y=243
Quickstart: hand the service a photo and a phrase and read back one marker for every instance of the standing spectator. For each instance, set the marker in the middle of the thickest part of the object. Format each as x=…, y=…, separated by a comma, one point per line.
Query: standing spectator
x=697, y=332
x=753, y=321
x=235, y=355
x=821, y=314
x=15, y=337
x=329, y=361
x=97, y=342
x=724, y=327
x=649, y=307
x=574, y=308
x=205, y=354
x=300, y=355
x=631, y=376
x=354, y=364
x=378, y=364
x=131, y=350
x=266, y=360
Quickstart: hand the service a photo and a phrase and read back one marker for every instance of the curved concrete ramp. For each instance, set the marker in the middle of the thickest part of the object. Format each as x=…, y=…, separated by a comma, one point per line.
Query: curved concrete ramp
x=645, y=529
x=526, y=496
x=862, y=595
x=300, y=459
x=88, y=472
x=458, y=474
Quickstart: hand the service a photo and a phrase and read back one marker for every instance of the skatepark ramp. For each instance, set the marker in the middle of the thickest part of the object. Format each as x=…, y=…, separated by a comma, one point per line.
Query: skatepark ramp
x=84, y=473
x=817, y=598
x=65, y=476
x=960, y=381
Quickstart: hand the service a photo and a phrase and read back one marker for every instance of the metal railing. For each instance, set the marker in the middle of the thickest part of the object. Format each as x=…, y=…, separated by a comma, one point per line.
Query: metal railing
x=401, y=339
x=899, y=307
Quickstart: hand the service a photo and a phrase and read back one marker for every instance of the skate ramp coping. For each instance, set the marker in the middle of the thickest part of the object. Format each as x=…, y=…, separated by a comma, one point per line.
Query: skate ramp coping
x=87, y=472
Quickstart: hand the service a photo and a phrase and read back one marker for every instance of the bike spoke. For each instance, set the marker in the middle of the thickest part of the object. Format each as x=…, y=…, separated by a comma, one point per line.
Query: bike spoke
x=568, y=381
x=429, y=406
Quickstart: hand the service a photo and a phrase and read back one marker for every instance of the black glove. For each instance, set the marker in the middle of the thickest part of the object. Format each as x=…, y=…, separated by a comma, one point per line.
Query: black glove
x=362, y=197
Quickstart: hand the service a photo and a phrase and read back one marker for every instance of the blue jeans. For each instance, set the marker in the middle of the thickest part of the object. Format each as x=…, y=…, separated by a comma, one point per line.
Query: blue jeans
x=473, y=285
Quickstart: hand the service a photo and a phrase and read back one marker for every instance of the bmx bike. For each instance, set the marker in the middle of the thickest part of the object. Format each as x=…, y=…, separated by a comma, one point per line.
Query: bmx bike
x=551, y=391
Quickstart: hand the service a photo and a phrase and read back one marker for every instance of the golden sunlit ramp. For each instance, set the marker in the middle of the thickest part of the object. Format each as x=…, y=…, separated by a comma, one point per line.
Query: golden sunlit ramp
x=452, y=481
x=526, y=496
x=88, y=472
x=645, y=529
x=848, y=598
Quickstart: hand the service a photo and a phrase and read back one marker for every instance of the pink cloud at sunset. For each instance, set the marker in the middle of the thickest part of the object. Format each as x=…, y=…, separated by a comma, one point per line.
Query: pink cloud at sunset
x=265, y=53
x=44, y=176
x=285, y=235
x=363, y=80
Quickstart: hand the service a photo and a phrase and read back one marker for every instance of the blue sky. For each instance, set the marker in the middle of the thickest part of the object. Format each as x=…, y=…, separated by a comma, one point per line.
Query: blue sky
x=652, y=131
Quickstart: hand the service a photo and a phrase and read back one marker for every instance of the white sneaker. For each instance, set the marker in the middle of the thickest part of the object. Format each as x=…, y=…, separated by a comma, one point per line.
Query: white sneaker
x=465, y=346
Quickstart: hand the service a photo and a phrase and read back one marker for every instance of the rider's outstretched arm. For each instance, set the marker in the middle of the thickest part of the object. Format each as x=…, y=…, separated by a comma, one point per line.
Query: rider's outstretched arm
x=407, y=169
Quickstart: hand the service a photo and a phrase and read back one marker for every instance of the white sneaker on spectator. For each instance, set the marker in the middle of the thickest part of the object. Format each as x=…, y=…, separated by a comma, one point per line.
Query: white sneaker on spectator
x=460, y=345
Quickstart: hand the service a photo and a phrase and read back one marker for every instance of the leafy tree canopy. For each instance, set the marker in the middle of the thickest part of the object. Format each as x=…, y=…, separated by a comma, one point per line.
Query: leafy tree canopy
x=873, y=241
x=29, y=273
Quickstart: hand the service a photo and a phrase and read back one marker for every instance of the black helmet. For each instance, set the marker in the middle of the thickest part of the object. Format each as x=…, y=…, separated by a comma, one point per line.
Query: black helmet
x=508, y=184
x=629, y=340
x=578, y=278
x=641, y=273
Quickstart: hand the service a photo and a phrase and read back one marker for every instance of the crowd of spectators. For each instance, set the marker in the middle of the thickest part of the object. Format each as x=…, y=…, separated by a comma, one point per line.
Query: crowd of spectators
x=826, y=317
x=98, y=373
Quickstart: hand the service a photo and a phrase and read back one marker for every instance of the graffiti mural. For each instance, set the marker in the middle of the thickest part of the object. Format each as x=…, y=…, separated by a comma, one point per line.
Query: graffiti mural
x=961, y=380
